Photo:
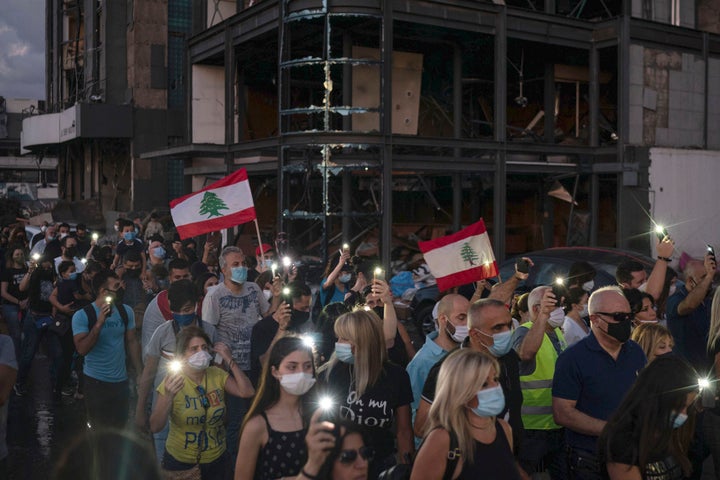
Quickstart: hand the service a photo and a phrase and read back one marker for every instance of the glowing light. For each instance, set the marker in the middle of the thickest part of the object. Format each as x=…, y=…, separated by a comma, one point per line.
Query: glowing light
x=36, y=256
x=308, y=341
x=175, y=366
x=286, y=292
x=703, y=383
x=659, y=229
x=326, y=403
x=273, y=267
x=366, y=308
x=108, y=299
x=346, y=247
x=560, y=281
x=83, y=260
x=95, y=236
x=378, y=271
x=287, y=261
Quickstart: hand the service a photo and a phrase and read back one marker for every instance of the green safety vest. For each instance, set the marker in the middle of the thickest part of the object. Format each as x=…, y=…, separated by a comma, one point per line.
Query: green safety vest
x=536, y=411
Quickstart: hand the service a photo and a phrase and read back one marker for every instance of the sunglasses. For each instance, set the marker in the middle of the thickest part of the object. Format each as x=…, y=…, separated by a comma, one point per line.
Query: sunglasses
x=203, y=397
x=349, y=456
x=618, y=316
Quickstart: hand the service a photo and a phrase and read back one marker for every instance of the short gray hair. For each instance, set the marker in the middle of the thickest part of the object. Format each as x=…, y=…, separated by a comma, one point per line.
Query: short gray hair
x=596, y=297
x=535, y=297
x=477, y=307
x=227, y=251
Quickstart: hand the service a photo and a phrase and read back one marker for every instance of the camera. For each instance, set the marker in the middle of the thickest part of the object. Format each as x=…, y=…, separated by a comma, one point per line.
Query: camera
x=522, y=265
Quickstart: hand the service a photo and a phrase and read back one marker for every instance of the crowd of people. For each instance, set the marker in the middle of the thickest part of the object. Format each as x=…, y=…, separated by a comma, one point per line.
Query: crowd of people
x=239, y=370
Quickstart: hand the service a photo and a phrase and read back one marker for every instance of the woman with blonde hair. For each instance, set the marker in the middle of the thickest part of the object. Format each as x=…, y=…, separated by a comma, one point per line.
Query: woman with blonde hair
x=370, y=391
x=654, y=339
x=468, y=399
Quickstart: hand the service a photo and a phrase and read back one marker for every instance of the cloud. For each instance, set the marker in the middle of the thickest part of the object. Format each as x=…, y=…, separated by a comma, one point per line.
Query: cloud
x=22, y=49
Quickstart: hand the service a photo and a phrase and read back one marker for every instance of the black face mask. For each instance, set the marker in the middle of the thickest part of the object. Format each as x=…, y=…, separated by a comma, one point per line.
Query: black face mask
x=118, y=294
x=380, y=311
x=132, y=272
x=619, y=331
x=298, y=317
x=71, y=252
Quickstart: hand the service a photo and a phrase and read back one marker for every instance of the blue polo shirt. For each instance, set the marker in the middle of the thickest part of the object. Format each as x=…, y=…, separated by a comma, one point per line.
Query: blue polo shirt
x=589, y=375
x=420, y=366
x=690, y=332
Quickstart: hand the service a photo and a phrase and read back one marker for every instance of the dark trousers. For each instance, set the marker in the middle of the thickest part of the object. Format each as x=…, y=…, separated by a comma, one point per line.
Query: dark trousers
x=64, y=368
x=583, y=465
x=544, y=450
x=107, y=404
x=31, y=341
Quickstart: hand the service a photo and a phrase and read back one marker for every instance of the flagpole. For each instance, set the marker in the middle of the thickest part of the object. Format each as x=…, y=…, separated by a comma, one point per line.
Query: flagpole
x=262, y=254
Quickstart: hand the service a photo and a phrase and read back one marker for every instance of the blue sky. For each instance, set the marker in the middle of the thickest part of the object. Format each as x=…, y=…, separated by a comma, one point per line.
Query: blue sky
x=22, y=49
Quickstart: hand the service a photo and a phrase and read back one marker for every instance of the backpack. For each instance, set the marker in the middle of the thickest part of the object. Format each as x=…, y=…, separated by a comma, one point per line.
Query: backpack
x=92, y=315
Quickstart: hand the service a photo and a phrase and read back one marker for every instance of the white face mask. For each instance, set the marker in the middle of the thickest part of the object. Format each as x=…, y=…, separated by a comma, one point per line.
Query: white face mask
x=584, y=312
x=461, y=333
x=267, y=294
x=557, y=317
x=199, y=361
x=588, y=286
x=672, y=290
x=297, y=383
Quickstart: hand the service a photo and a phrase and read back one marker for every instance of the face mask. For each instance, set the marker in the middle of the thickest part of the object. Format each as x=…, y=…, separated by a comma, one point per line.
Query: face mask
x=345, y=278
x=678, y=420
x=491, y=402
x=51, y=238
x=647, y=321
x=584, y=312
x=298, y=318
x=73, y=276
x=199, y=361
x=238, y=274
x=158, y=252
x=502, y=343
x=461, y=333
x=588, y=286
x=129, y=236
x=672, y=290
x=379, y=311
x=619, y=331
x=71, y=252
x=63, y=235
x=343, y=352
x=118, y=294
x=268, y=262
x=132, y=272
x=557, y=317
x=117, y=228
x=297, y=383
x=184, y=319
x=267, y=294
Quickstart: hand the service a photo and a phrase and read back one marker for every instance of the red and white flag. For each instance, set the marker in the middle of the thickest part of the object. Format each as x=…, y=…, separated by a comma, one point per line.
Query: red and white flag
x=463, y=257
x=223, y=204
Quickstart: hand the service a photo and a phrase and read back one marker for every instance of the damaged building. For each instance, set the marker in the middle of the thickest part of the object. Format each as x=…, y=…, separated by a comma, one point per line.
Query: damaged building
x=384, y=121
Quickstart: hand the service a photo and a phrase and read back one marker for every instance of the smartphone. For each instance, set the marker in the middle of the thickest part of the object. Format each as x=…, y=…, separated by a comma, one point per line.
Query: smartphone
x=711, y=251
x=522, y=265
x=661, y=232
x=558, y=289
x=379, y=274
x=707, y=397
x=287, y=295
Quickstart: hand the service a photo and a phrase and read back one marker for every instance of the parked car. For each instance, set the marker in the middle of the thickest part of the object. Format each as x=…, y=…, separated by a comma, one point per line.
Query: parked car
x=555, y=262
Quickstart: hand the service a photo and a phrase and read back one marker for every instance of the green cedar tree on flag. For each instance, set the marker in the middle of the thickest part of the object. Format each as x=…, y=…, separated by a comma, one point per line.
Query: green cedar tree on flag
x=223, y=204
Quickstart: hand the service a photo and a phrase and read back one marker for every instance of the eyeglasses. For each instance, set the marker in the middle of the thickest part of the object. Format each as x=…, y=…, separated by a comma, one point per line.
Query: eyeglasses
x=203, y=397
x=618, y=316
x=349, y=456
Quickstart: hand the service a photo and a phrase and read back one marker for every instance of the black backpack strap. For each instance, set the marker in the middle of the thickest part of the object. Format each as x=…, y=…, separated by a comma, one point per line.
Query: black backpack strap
x=453, y=456
x=91, y=315
x=123, y=314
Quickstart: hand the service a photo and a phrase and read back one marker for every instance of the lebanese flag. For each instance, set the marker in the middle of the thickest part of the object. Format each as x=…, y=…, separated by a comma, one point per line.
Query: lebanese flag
x=463, y=257
x=223, y=204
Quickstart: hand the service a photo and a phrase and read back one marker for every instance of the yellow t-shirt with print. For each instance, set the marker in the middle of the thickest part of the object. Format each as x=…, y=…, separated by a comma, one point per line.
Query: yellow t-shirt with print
x=188, y=416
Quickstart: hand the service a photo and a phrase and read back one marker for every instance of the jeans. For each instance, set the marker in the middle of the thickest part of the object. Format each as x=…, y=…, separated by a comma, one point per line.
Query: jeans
x=583, y=465
x=30, y=344
x=160, y=438
x=208, y=471
x=10, y=314
x=544, y=450
x=236, y=410
x=107, y=404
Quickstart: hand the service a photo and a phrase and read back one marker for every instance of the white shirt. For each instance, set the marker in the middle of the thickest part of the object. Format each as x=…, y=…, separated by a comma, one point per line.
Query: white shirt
x=573, y=332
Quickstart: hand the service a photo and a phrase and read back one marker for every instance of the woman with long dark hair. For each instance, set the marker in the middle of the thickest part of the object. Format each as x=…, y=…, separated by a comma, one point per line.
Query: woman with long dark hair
x=272, y=436
x=649, y=435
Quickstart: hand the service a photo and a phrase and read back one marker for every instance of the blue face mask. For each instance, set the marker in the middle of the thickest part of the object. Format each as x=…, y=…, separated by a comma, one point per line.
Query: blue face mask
x=268, y=262
x=159, y=252
x=491, y=402
x=184, y=319
x=129, y=236
x=343, y=352
x=502, y=343
x=678, y=420
x=239, y=274
x=73, y=276
x=345, y=278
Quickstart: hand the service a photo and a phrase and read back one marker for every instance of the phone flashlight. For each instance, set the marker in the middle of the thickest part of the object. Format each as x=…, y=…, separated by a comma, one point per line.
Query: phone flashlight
x=379, y=273
x=286, y=261
x=346, y=247
x=36, y=256
x=273, y=267
x=83, y=260
x=711, y=250
x=175, y=366
x=308, y=341
x=558, y=289
x=661, y=232
x=108, y=299
x=703, y=383
x=95, y=236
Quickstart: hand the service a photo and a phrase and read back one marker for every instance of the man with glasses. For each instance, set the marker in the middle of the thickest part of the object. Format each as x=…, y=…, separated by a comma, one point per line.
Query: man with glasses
x=592, y=377
x=103, y=333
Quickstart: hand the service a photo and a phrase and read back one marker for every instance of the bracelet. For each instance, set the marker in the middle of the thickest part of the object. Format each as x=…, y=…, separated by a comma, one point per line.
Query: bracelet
x=307, y=475
x=667, y=259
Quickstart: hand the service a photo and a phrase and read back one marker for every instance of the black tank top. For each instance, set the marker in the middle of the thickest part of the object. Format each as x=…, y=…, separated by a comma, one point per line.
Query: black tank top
x=494, y=461
x=283, y=455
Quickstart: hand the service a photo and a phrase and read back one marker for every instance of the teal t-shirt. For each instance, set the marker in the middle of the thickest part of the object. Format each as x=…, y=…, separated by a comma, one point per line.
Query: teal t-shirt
x=106, y=360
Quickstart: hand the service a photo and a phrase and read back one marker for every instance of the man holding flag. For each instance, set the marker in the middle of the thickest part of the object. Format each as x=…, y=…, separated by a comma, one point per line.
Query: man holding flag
x=235, y=305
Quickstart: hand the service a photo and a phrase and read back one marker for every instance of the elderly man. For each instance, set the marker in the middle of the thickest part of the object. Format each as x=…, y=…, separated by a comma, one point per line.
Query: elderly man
x=490, y=331
x=538, y=343
x=688, y=312
x=234, y=307
x=592, y=377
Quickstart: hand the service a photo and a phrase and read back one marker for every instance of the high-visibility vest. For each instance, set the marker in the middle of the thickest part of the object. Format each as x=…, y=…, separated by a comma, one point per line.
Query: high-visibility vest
x=536, y=411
